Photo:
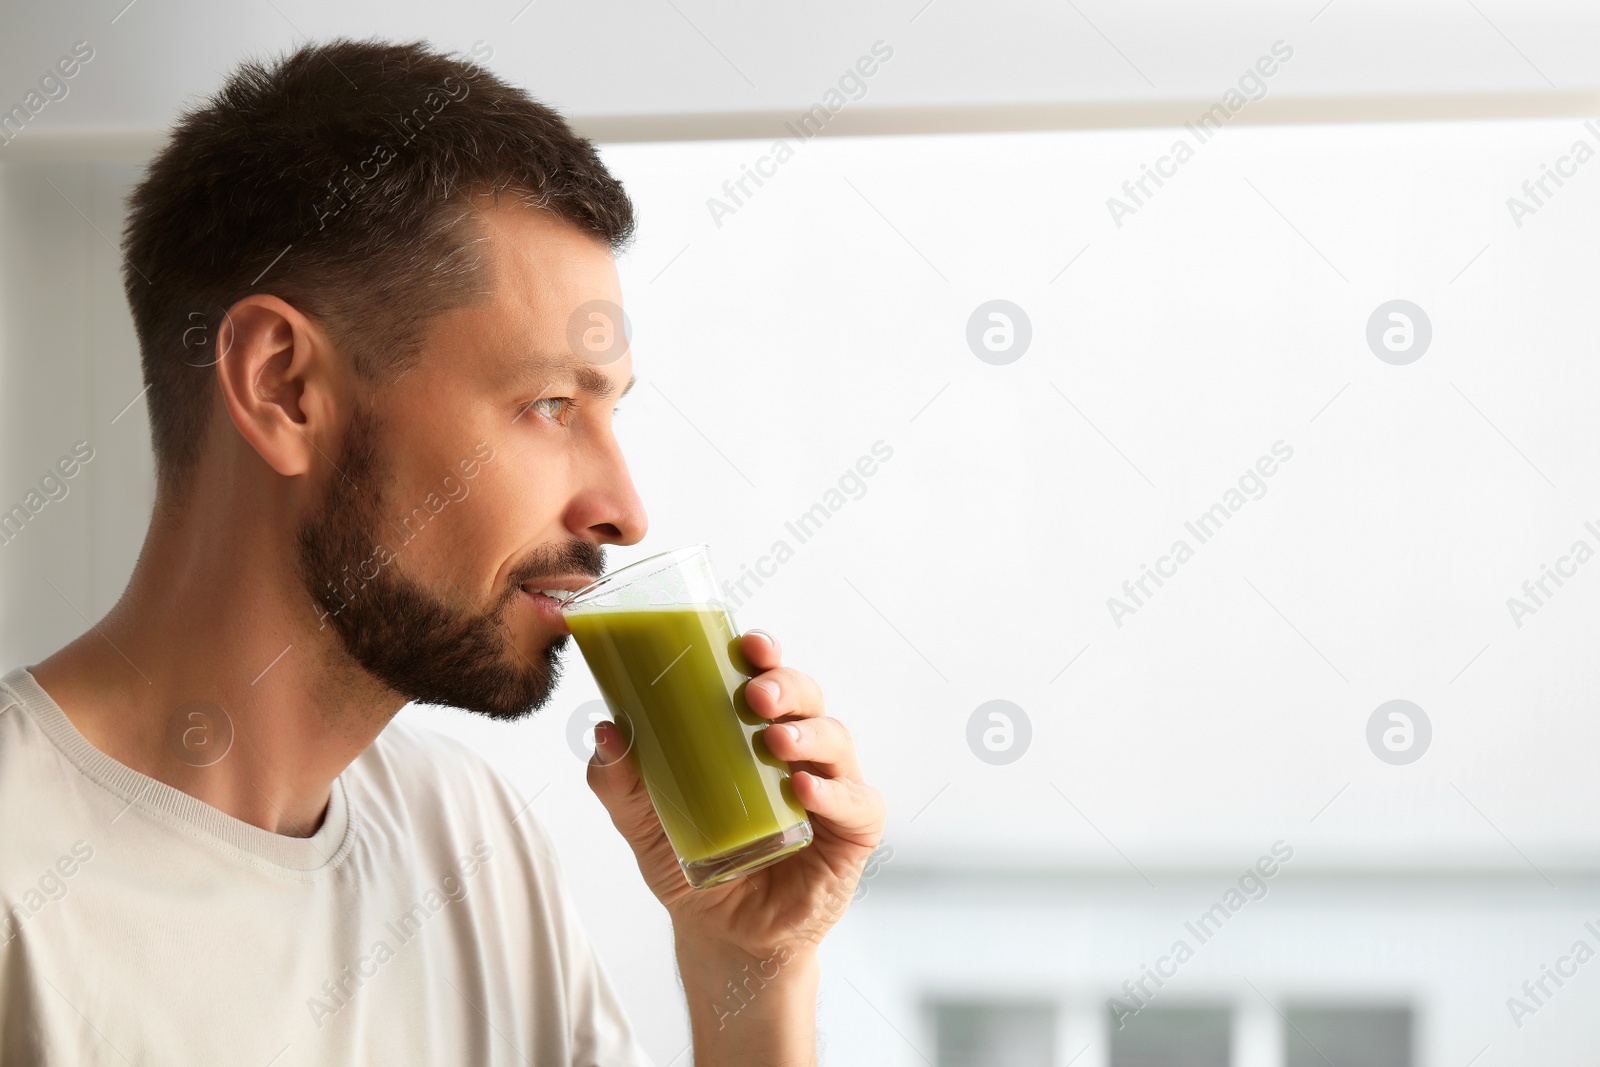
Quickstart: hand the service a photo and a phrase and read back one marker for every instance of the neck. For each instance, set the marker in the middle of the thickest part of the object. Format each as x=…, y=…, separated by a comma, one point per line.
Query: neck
x=214, y=618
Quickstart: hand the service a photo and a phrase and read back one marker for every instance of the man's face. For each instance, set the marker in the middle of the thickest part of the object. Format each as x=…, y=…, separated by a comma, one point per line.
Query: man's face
x=486, y=471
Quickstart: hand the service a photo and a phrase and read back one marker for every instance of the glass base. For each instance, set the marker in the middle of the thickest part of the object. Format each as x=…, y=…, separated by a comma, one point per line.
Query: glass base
x=746, y=859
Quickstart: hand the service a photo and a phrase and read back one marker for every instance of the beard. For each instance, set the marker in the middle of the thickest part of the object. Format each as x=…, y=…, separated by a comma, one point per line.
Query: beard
x=430, y=646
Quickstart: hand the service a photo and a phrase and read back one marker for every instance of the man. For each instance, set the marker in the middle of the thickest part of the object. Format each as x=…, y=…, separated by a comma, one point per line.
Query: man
x=355, y=276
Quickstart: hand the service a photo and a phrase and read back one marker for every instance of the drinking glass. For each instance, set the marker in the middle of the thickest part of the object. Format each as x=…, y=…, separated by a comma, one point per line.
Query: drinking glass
x=663, y=648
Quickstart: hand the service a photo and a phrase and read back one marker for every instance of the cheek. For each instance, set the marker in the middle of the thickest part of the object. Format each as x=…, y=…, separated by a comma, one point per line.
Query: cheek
x=518, y=499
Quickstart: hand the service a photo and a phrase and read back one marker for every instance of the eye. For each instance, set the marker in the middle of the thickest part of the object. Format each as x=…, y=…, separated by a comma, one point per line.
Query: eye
x=557, y=409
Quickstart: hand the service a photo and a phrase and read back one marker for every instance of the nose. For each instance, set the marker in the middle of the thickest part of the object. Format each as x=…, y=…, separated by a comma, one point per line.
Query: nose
x=607, y=509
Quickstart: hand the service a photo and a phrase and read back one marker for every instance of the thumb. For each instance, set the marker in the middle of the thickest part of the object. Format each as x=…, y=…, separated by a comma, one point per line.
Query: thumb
x=614, y=779
x=616, y=782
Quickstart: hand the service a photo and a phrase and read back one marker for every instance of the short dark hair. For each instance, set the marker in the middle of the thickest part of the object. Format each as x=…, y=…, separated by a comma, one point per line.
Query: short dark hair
x=338, y=178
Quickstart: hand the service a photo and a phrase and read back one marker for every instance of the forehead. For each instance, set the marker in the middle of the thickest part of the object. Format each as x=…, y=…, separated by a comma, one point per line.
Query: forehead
x=541, y=276
x=540, y=268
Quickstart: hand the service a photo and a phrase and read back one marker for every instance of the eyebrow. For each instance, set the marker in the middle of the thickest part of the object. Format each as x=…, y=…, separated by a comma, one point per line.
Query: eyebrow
x=589, y=380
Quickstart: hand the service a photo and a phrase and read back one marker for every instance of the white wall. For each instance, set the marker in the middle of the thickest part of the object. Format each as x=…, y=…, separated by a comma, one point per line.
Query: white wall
x=808, y=325
x=68, y=372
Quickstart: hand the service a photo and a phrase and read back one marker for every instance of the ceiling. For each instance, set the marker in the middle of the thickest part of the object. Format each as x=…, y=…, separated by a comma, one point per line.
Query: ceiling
x=669, y=69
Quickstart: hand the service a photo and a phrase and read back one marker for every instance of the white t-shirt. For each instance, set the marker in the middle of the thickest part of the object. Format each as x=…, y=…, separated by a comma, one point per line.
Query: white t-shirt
x=425, y=922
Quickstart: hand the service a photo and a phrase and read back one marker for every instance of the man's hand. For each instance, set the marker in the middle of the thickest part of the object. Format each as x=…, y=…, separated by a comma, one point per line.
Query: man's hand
x=746, y=948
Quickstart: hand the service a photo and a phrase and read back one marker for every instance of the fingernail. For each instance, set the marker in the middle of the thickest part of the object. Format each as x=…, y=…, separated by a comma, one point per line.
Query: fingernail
x=768, y=687
x=607, y=741
x=770, y=639
x=792, y=731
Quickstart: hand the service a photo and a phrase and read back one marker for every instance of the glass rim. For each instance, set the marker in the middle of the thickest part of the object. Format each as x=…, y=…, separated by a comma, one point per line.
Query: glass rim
x=634, y=571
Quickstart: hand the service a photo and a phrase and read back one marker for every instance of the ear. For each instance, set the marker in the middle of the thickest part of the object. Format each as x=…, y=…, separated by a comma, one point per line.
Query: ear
x=282, y=383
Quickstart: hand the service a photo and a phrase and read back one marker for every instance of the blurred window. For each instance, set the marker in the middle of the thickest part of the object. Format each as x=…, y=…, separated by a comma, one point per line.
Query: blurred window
x=1348, y=1037
x=1173, y=1037
x=995, y=1035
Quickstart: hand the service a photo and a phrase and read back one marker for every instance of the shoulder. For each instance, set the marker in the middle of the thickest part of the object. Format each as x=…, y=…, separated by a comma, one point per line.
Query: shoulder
x=436, y=801
x=426, y=754
x=10, y=699
x=425, y=763
x=436, y=778
x=535, y=921
x=25, y=740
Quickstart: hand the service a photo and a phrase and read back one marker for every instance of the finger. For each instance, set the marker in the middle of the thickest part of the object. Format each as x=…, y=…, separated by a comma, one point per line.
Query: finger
x=783, y=691
x=822, y=742
x=761, y=649
x=853, y=810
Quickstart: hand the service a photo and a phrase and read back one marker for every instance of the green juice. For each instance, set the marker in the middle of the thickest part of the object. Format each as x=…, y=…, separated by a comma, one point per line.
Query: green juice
x=671, y=677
